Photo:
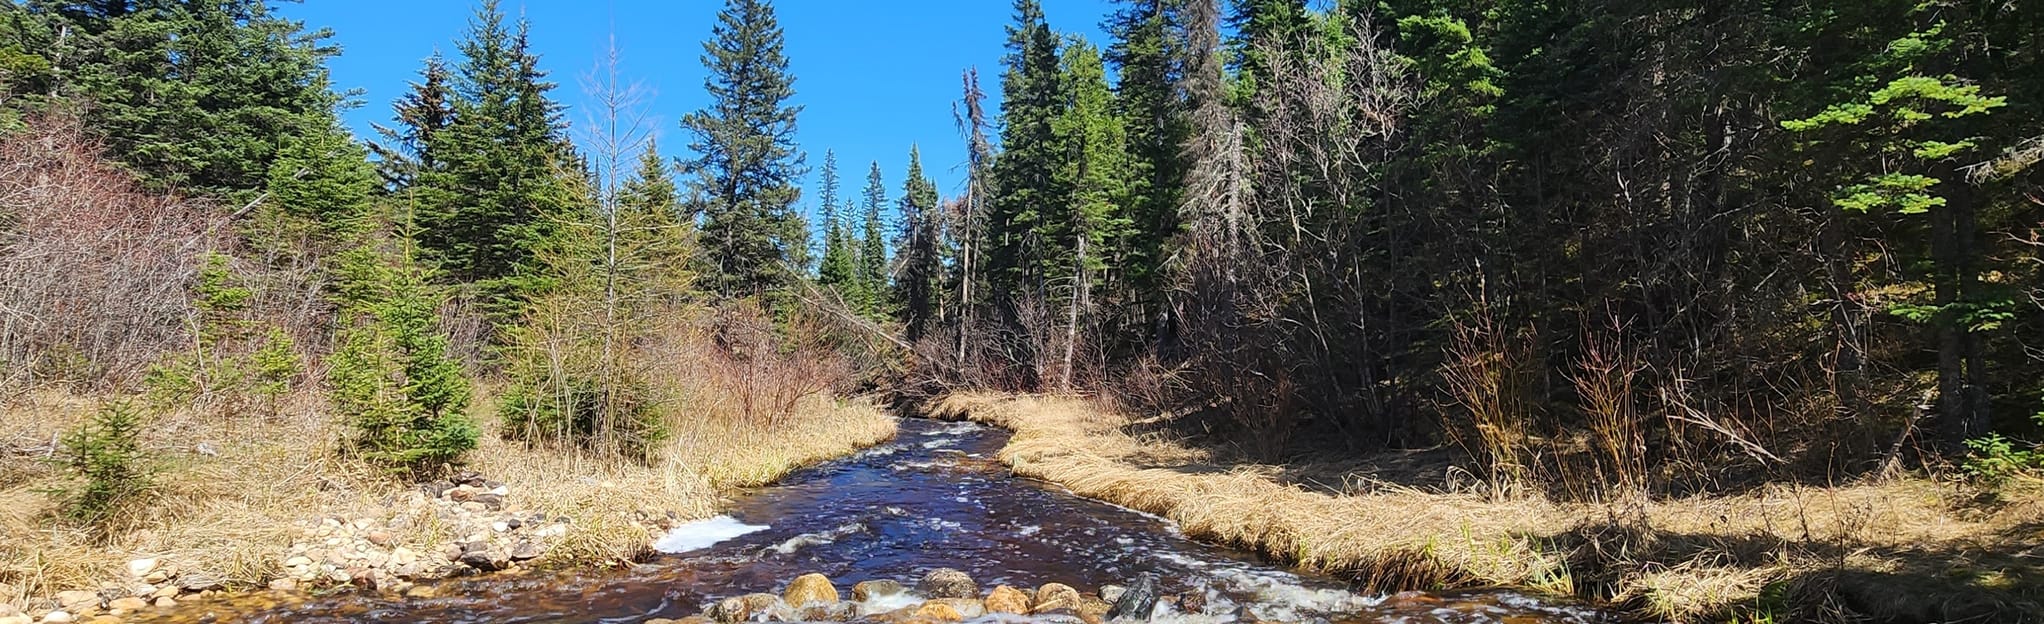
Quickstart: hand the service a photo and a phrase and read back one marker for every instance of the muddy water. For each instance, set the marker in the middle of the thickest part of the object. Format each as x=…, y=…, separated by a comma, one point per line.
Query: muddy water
x=934, y=497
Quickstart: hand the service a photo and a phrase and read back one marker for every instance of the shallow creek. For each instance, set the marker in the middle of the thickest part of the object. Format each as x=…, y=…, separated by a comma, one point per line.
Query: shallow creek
x=933, y=497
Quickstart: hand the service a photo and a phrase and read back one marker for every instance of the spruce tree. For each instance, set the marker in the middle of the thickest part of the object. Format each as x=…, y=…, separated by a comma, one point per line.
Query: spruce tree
x=921, y=287
x=747, y=160
x=324, y=177
x=839, y=268
x=873, y=288
x=196, y=96
x=424, y=110
x=1024, y=175
x=498, y=183
x=1148, y=53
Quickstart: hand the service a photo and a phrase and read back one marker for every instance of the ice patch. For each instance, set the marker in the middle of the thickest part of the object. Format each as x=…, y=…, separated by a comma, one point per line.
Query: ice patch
x=704, y=534
x=812, y=539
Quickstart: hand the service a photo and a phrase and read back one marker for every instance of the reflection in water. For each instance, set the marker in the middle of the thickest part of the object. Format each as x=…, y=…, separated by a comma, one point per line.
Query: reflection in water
x=932, y=498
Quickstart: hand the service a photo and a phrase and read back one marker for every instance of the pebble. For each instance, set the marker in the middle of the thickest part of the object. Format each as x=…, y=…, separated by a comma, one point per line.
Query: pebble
x=58, y=617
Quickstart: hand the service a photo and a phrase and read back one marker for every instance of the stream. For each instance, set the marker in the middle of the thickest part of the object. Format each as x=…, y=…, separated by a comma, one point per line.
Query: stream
x=933, y=497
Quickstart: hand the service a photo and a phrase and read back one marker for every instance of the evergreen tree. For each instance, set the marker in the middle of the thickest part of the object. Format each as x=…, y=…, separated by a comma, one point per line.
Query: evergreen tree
x=1025, y=173
x=921, y=287
x=502, y=162
x=1148, y=51
x=194, y=95
x=873, y=287
x=746, y=160
x=406, y=150
x=839, y=268
x=326, y=178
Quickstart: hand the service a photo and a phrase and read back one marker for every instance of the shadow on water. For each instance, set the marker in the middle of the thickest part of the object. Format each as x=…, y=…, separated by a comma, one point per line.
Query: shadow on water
x=934, y=497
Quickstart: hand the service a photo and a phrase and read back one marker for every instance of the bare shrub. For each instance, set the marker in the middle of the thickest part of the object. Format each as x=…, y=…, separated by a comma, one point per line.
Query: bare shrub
x=1485, y=374
x=93, y=271
x=1606, y=380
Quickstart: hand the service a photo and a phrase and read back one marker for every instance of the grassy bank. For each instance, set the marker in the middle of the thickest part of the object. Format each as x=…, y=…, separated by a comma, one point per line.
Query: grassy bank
x=227, y=493
x=1899, y=550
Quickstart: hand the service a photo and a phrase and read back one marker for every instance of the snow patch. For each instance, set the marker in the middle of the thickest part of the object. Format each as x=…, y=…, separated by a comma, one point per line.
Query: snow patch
x=704, y=534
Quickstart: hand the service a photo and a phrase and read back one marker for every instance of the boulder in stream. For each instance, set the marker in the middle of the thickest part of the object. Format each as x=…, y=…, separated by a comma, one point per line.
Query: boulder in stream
x=1055, y=596
x=868, y=590
x=947, y=583
x=1137, y=601
x=809, y=588
x=1005, y=599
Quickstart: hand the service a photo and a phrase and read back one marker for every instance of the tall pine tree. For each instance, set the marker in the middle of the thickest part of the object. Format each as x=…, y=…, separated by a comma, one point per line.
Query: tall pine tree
x=1025, y=173
x=746, y=159
x=920, y=288
x=839, y=268
x=873, y=289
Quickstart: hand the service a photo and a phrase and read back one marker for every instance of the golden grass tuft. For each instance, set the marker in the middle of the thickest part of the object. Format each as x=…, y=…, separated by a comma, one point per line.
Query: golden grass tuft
x=1787, y=551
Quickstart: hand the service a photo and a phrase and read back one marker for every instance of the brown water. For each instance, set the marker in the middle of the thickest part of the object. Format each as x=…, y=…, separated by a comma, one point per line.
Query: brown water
x=934, y=497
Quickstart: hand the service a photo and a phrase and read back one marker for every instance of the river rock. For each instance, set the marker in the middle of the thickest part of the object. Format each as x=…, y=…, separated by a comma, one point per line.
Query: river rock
x=16, y=619
x=77, y=598
x=1192, y=602
x=868, y=590
x=1054, y=596
x=142, y=567
x=58, y=617
x=809, y=588
x=829, y=612
x=1111, y=593
x=1005, y=599
x=484, y=556
x=730, y=611
x=1138, y=601
x=939, y=611
x=968, y=607
x=196, y=583
x=947, y=583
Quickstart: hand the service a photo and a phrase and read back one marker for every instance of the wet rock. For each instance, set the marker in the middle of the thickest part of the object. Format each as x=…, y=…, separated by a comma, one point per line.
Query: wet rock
x=968, y=607
x=831, y=612
x=1094, y=607
x=939, y=611
x=730, y=611
x=1138, y=601
x=1111, y=593
x=868, y=590
x=1192, y=602
x=1055, y=596
x=809, y=588
x=1412, y=600
x=1005, y=599
x=947, y=583
x=484, y=556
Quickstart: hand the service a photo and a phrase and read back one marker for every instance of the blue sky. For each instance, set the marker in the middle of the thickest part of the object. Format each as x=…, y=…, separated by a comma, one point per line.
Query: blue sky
x=874, y=77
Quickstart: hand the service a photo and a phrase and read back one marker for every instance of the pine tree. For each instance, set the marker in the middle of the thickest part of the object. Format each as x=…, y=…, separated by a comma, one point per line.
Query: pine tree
x=326, y=178
x=1024, y=175
x=873, y=287
x=1149, y=49
x=747, y=159
x=502, y=161
x=839, y=268
x=921, y=287
x=406, y=149
x=196, y=96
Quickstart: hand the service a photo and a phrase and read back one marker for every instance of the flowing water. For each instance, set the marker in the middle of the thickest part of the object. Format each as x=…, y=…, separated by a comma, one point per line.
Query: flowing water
x=934, y=497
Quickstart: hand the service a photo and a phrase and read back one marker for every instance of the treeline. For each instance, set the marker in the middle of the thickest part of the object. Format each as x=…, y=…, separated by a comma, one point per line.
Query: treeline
x=1657, y=244
x=479, y=235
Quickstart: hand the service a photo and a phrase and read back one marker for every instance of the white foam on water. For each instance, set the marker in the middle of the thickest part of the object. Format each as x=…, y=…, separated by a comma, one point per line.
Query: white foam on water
x=704, y=534
x=1029, y=530
x=939, y=443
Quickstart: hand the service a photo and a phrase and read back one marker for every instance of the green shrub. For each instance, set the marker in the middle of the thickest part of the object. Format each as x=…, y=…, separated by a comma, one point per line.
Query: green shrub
x=106, y=460
x=573, y=411
x=225, y=369
x=404, y=399
x=1997, y=459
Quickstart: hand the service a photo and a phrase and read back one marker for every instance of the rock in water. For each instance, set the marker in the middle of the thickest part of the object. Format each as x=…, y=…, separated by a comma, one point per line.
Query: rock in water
x=947, y=583
x=809, y=588
x=940, y=612
x=1054, y=596
x=1005, y=599
x=868, y=590
x=1136, y=601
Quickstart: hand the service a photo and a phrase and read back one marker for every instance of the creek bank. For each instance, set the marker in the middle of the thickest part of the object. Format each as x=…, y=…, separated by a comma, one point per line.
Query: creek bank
x=943, y=595
x=1906, y=549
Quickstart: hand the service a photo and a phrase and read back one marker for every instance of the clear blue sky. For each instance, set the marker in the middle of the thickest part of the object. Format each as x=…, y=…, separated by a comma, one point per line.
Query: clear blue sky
x=874, y=77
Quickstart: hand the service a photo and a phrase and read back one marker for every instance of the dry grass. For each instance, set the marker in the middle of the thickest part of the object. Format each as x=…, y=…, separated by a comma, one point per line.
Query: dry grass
x=229, y=512
x=1908, y=550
